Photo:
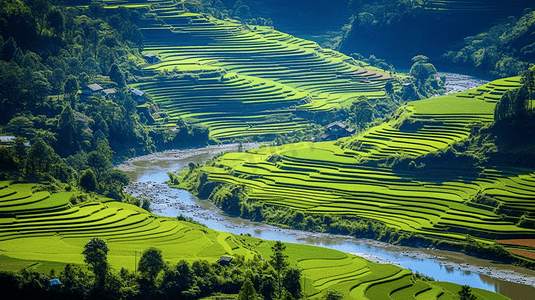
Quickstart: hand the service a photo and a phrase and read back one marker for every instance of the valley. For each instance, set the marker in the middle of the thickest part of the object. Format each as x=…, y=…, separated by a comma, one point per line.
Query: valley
x=162, y=149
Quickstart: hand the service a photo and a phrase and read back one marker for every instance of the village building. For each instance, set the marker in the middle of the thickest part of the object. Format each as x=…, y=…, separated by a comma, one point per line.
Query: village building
x=107, y=92
x=225, y=260
x=137, y=95
x=151, y=58
x=9, y=141
x=92, y=89
x=334, y=131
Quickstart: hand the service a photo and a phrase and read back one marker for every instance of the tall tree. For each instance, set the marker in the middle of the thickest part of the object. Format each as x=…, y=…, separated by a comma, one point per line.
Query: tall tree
x=292, y=282
x=247, y=291
x=88, y=181
x=40, y=157
x=96, y=255
x=67, y=138
x=151, y=263
x=116, y=75
x=279, y=262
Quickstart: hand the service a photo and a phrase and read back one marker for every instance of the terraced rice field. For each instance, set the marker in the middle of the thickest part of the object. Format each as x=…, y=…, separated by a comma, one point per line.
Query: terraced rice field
x=329, y=177
x=327, y=269
x=247, y=80
x=44, y=234
x=39, y=226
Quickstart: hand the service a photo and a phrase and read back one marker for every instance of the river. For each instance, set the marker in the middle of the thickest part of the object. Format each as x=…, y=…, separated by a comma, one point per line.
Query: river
x=148, y=174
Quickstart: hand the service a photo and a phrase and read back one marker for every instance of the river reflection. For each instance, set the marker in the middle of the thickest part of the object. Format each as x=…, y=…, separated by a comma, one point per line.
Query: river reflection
x=151, y=173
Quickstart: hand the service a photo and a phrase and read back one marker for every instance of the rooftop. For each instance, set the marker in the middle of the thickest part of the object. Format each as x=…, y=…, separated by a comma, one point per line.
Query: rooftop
x=109, y=91
x=137, y=92
x=95, y=87
x=341, y=125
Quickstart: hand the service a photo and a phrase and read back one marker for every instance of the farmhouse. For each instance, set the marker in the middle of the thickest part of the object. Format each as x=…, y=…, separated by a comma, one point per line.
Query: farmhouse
x=151, y=58
x=225, y=260
x=137, y=95
x=92, y=89
x=8, y=141
x=107, y=92
x=336, y=130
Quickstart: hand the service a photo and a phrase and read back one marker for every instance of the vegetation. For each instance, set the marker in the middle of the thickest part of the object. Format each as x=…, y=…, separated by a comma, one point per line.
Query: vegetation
x=429, y=27
x=46, y=236
x=420, y=179
x=506, y=49
x=83, y=87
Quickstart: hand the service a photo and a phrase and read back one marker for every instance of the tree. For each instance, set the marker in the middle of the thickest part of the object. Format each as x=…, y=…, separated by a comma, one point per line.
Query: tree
x=88, y=181
x=116, y=75
x=528, y=80
x=333, y=295
x=96, y=255
x=56, y=20
x=268, y=286
x=178, y=279
x=75, y=281
x=71, y=85
x=466, y=294
x=279, y=262
x=41, y=157
x=58, y=80
x=67, y=138
x=151, y=263
x=292, y=282
x=20, y=126
x=421, y=70
x=247, y=291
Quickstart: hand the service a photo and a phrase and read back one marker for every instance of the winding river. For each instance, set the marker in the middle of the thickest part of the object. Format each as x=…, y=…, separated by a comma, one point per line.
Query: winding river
x=149, y=173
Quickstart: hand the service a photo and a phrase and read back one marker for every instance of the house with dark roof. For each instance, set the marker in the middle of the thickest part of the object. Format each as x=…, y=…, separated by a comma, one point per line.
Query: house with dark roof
x=334, y=131
x=92, y=89
x=151, y=58
x=225, y=260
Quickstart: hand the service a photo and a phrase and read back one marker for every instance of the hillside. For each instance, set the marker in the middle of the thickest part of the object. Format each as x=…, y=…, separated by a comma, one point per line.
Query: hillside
x=398, y=177
x=433, y=28
x=246, y=80
x=43, y=231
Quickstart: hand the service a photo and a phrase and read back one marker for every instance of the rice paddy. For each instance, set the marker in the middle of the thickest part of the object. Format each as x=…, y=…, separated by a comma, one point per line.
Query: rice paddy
x=331, y=177
x=53, y=233
x=244, y=81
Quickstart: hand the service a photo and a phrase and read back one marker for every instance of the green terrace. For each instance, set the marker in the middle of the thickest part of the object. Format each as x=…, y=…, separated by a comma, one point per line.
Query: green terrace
x=330, y=177
x=41, y=230
x=240, y=65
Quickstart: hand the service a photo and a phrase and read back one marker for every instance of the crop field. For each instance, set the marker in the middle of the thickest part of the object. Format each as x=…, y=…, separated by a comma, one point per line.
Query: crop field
x=38, y=228
x=241, y=80
x=330, y=177
x=357, y=278
x=49, y=235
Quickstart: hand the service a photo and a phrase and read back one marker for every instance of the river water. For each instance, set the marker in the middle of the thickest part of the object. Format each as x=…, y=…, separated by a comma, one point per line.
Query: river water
x=148, y=174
